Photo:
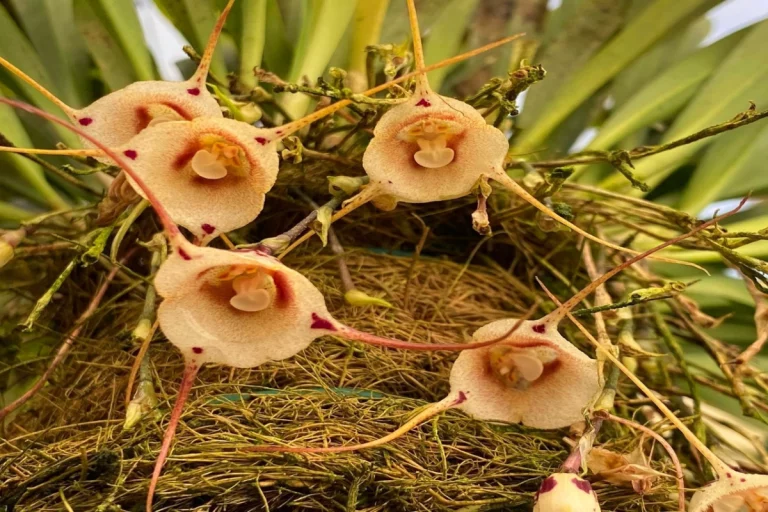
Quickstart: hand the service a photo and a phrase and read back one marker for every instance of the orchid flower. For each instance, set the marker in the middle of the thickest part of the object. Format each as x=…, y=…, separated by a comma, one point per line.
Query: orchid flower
x=224, y=163
x=523, y=372
x=119, y=116
x=434, y=148
x=239, y=308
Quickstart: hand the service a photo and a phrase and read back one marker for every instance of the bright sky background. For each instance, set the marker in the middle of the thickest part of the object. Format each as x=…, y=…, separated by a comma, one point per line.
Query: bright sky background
x=165, y=42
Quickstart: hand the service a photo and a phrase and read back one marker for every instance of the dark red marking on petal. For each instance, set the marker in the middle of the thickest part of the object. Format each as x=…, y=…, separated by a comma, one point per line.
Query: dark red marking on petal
x=85, y=121
x=197, y=350
x=261, y=140
x=321, y=323
x=195, y=91
x=540, y=328
x=743, y=479
x=462, y=398
x=186, y=155
x=208, y=228
x=131, y=153
x=729, y=475
x=184, y=254
x=284, y=295
x=423, y=102
x=582, y=484
x=547, y=485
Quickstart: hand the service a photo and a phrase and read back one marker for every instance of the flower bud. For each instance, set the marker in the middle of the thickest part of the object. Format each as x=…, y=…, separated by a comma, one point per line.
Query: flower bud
x=359, y=298
x=565, y=492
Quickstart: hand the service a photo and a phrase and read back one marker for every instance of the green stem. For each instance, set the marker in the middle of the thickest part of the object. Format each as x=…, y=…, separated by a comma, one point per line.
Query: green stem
x=13, y=213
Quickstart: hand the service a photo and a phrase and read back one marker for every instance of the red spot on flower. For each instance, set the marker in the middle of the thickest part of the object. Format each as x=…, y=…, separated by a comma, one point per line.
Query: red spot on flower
x=321, y=323
x=208, y=228
x=540, y=328
x=547, y=485
x=85, y=121
x=194, y=91
x=197, y=350
x=462, y=398
x=582, y=485
x=131, y=153
x=729, y=475
x=423, y=103
x=743, y=479
x=261, y=140
x=184, y=254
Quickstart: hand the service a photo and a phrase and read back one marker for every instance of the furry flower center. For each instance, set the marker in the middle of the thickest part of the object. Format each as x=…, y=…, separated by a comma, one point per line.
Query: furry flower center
x=216, y=159
x=253, y=292
x=159, y=114
x=432, y=137
x=516, y=369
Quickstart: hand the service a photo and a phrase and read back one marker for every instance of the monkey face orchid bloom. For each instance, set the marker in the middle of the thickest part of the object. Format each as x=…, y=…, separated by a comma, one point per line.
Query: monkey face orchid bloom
x=534, y=377
x=432, y=148
x=119, y=116
x=565, y=492
x=211, y=174
x=732, y=492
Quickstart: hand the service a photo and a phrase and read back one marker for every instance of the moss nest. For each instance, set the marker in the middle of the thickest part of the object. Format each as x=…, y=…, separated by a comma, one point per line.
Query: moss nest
x=69, y=446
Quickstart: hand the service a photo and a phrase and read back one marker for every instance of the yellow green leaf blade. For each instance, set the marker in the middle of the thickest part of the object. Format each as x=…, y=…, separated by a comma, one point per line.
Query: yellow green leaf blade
x=732, y=165
x=445, y=37
x=252, y=38
x=649, y=26
x=740, y=78
x=664, y=94
x=49, y=24
x=123, y=22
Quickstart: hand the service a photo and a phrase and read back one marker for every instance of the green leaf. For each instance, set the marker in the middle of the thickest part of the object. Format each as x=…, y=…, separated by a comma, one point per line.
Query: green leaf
x=649, y=26
x=195, y=19
x=739, y=78
x=49, y=24
x=116, y=70
x=586, y=31
x=13, y=130
x=369, y=18
x=323, y=27
x=445, y=37
x=665, y=94
x=252, y=38
x=277, y=52
x=733, y=164
x=15, y=47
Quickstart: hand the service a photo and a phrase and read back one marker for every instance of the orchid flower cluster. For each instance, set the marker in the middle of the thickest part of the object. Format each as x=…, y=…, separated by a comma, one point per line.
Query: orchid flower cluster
x=243, y=308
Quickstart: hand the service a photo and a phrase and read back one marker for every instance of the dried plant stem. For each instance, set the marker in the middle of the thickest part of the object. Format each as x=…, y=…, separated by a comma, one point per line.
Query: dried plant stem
x=140, y=356
x=677, y=352
x=761, y=324
x=663, y=442
x=427, y=413
x=65, y=347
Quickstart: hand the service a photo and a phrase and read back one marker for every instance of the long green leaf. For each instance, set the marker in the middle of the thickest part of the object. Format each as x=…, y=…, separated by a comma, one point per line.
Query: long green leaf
x=49, y=24
x=648, y=27
x=732, y=165
x=445, y=37
x=41, y=190
x=369, y=18
x=665, y=94
x=116, y=70
x=324, y=27
x=586, y=31
x=15, y=47
x=739, y=79
x=252, y=38
x=277, y=52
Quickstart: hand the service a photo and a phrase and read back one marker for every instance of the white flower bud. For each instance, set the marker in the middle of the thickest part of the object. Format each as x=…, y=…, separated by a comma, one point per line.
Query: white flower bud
x=565, y=492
